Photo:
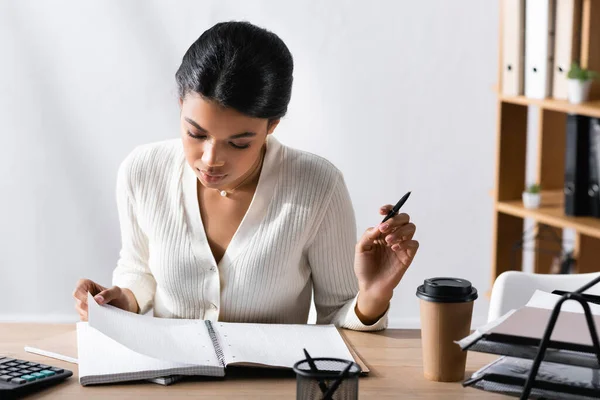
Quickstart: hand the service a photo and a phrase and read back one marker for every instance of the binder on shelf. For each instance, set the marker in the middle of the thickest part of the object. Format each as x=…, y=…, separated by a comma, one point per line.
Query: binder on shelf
x=513, y=47
x=572, y=333
x=539, y=47
x=567, y=44
x=577, y=166
x=594, y=172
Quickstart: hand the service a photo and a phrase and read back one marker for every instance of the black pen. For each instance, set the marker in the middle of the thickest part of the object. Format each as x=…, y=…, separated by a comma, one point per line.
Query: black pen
x=315, y=371
x=396, y=208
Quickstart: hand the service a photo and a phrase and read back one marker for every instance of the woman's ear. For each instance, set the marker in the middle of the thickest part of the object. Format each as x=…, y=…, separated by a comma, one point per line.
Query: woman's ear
x=272, y=125
x=180, y=102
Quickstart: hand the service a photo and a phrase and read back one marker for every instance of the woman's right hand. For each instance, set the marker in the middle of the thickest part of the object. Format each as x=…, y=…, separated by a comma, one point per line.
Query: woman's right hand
x=115, y=296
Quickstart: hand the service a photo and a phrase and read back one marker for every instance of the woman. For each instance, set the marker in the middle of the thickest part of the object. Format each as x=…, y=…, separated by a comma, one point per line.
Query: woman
x=227, y=223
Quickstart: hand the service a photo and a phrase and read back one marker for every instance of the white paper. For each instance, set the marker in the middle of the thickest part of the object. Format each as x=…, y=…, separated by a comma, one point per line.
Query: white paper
x=547, y=301
x=50, y=354
x=482, y=330
x=186, y=341
x=539, y=299
x=100, y=355
x=279, y=345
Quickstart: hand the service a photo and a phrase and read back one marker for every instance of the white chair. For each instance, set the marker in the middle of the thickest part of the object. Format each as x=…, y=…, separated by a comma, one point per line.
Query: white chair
x=513, y=289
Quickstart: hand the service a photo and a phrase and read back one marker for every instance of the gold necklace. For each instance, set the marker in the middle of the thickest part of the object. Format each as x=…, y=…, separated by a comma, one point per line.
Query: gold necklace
x=224, y=192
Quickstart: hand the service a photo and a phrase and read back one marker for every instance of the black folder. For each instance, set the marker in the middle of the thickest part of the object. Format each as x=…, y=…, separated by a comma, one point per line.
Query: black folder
x=577, y=165
x=594, y=168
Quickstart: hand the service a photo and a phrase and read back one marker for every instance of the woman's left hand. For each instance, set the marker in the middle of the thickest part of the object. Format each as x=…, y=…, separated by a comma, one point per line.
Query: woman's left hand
x=383, y=254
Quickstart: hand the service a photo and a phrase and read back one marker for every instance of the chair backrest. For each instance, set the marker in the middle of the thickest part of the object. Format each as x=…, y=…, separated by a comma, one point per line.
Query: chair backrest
x=513, y=289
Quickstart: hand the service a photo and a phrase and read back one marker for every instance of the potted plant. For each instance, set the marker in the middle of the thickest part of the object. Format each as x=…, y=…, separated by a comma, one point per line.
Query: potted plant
x=579, y=83
x=531, y=196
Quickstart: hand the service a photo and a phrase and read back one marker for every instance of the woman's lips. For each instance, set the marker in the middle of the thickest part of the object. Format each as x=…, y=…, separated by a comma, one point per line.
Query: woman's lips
x=211, y=178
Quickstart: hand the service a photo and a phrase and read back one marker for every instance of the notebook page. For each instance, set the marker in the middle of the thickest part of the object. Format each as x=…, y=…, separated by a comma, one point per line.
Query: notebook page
x=102, y=359
x=278, y=345
x=187, y=343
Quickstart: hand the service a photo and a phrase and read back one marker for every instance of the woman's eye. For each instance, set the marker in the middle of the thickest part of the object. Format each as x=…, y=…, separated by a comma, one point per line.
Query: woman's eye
x=201, y=137
x=239, y=146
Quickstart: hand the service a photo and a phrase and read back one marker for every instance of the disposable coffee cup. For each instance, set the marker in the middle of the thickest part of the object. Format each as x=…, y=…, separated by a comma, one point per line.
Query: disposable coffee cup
x=446, y=310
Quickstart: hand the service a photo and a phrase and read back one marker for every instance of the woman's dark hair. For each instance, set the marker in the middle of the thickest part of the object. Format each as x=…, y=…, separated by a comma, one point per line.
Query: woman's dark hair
x=241, y=66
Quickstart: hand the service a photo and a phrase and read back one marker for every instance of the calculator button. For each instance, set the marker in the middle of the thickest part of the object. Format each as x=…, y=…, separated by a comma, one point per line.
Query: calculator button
x=5, y=378
x=28, y=378
x=32, y=364
x=34, y=369
x=13, y=369
x=18, y=381
x=38, y=375
x=15, y=374
x=47, y=373
x=57, y=370
x=4, y=371
x=25, y=371
x=7, y=360
x=42, y=366
x=11, y=364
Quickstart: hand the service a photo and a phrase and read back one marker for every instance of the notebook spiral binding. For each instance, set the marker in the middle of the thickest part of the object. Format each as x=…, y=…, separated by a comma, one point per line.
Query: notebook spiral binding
x=215, y=342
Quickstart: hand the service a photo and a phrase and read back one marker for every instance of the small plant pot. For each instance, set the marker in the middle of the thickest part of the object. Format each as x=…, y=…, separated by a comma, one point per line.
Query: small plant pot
x=578, y=90
x=531, y=200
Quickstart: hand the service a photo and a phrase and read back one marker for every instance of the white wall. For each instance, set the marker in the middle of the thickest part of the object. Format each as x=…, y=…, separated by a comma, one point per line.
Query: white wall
x=397, y=94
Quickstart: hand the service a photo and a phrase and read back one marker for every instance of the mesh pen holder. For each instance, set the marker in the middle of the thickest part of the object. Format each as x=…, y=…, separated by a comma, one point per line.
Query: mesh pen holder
x=327, y=379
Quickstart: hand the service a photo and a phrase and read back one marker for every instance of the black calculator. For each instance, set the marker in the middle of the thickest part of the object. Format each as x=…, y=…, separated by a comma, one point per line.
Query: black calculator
x=19, y=377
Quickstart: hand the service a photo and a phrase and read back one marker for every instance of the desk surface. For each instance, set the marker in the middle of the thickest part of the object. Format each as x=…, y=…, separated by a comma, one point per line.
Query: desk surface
x=394, y=357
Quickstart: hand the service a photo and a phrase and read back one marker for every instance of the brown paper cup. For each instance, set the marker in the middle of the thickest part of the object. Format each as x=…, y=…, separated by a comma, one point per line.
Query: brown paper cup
x=441, y=325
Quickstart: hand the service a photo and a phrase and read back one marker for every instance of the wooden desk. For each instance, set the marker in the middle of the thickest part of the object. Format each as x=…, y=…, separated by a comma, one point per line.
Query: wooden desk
x=394, y=357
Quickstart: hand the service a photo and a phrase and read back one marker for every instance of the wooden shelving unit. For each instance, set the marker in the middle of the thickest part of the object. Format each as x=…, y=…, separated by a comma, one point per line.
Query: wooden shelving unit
x=552, y=216
x=590, y=108
x=511, y=141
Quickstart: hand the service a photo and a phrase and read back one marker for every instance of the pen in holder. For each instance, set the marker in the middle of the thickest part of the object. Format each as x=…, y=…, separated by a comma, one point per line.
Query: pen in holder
x=326, y=379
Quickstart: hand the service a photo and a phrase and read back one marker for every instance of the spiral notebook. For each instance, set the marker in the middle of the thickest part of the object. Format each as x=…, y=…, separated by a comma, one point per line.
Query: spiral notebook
x=116, y=345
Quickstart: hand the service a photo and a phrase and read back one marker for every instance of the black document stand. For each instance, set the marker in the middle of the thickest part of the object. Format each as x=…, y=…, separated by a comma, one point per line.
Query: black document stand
x=579, y=297
x=530, y=381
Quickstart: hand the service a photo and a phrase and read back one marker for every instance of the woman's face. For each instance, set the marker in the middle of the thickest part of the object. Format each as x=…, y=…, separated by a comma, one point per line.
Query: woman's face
x=221, y=144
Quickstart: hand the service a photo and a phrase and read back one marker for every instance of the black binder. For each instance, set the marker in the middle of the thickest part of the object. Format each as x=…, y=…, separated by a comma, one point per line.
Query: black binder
x=594, y=178
x=577, y=201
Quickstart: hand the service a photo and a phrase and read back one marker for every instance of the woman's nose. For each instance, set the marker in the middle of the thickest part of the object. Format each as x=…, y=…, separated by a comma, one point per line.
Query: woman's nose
x=210, y=156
